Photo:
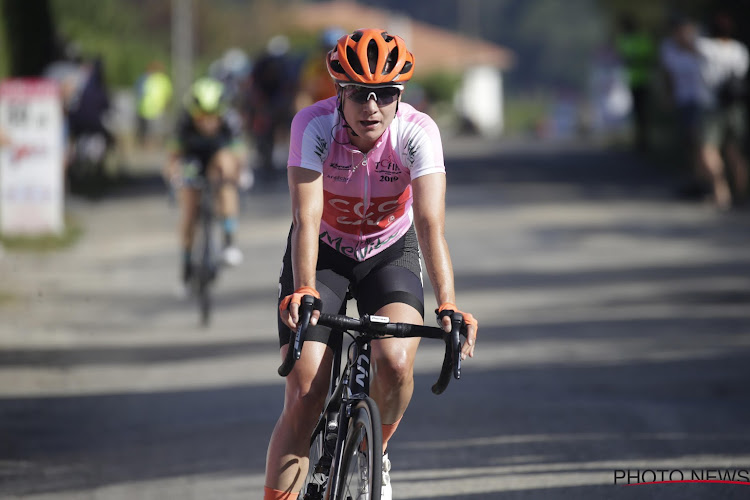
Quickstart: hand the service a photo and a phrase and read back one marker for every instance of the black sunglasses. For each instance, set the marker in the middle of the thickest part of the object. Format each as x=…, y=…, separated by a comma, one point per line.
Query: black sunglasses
x=383, y=95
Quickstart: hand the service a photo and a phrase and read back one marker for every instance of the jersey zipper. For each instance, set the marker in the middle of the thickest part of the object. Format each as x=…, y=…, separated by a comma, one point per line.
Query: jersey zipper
x=365, y=197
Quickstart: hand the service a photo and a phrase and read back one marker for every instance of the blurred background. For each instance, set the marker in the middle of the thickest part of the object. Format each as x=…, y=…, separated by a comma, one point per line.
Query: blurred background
x=544, y=69
x=612, y=290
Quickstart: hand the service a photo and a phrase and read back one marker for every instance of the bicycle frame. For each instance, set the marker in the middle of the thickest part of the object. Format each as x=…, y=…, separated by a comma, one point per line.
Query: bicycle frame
x=350, y=387
x=347, y=387
x=208, y=266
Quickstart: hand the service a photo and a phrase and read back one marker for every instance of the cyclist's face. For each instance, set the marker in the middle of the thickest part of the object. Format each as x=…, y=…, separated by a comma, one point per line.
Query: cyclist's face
x=369, y=112
x=207, y=124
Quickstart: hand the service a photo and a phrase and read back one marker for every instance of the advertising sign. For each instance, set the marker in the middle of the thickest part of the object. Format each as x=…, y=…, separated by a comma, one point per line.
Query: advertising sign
x=31, y=157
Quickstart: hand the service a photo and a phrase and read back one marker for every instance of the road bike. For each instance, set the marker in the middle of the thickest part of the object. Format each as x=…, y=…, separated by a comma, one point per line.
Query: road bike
x=346, y=446
x=206, y=255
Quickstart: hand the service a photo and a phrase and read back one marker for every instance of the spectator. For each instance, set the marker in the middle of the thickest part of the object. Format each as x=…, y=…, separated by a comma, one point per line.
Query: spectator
x=153, y=94
x=725, y=65
x=637, y=51
x=689, y=95
x=315, y=82
x=271, y=101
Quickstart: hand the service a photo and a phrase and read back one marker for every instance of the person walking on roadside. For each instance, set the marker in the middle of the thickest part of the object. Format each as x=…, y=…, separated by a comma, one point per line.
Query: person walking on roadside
x=725, y=66
x=701, y=70
x=637, y=50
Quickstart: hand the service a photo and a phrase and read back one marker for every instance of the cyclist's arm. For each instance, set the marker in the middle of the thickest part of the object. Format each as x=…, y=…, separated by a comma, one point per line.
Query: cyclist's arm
x=429, y=219
x=171, y=168
x=306, y=190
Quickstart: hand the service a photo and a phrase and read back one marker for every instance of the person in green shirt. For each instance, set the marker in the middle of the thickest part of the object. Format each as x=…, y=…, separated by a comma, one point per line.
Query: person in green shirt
x=638, y=52
x=153, y=95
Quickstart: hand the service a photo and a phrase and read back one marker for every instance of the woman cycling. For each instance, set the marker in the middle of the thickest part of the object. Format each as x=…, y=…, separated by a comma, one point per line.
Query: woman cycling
x=365, y=171
x=207, y=143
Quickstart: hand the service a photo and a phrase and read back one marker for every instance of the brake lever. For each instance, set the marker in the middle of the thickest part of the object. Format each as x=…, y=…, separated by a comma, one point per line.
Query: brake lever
x=455, y=338
x=297, y=338
x=305, y=313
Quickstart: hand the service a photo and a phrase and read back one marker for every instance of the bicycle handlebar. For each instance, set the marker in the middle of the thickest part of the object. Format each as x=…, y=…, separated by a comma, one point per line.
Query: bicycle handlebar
x=380, y=327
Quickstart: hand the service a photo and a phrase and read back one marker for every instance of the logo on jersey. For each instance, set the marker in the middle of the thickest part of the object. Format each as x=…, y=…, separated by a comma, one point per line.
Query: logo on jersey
x=338, y=166
x=388, y=170
x=387, y=166
x=362, y=249
x=349, y=214
x=321, y=148
x=411, y=151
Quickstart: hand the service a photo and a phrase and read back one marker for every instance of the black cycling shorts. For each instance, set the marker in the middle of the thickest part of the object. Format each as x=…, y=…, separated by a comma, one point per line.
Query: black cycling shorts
x=393, y=275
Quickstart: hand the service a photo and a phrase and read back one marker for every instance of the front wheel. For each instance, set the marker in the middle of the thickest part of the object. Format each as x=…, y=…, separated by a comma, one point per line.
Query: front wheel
x=360, y=475
x=205, y=256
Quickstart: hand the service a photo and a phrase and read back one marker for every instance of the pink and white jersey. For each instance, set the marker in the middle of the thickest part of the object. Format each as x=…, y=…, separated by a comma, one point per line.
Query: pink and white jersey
x=368, y=196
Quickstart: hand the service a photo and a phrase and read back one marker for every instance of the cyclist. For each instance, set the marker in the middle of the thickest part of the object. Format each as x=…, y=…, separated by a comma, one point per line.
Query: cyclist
x=365, y=170
x=207, y=144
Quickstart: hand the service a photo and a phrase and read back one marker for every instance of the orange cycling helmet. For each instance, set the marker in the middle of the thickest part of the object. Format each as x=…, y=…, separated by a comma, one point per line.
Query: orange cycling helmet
x=370, y=57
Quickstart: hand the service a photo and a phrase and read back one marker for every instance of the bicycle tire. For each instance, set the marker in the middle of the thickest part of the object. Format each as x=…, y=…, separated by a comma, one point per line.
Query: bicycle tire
x=361, y=469
x=205, y=265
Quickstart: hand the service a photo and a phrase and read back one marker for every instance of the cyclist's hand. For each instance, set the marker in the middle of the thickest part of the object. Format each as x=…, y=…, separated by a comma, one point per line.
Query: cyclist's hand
x=289, y=307
x=445, y=312
x=171, y=174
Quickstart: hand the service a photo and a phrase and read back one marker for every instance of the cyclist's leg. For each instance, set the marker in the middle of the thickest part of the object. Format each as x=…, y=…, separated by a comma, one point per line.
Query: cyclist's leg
x=224, y=168
x=189, y=198
x=306, y=386
x=393, y=288
x=306, y=390
x=395, y=292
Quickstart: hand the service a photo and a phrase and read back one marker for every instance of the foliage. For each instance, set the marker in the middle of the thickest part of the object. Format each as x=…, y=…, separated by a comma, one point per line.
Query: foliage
x=115, y=30
x=44, y=243
x=524, y=113
x=439, y=87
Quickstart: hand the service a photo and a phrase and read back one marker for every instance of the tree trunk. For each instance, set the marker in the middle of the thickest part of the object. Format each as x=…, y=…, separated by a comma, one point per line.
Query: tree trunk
x=30, y=32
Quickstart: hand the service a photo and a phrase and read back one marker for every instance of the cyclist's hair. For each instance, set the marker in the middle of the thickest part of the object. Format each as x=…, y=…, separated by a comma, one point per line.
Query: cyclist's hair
x=370, y=57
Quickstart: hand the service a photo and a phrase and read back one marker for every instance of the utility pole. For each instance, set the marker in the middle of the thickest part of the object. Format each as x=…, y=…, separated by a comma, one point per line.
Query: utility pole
x=182, y=46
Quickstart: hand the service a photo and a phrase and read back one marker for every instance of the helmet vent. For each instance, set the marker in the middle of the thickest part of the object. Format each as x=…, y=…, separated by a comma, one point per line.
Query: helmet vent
x=351, y=56
x=336, y=66
x=390, y=62
x=372, y=55
x=406, y=68
x=356, y=36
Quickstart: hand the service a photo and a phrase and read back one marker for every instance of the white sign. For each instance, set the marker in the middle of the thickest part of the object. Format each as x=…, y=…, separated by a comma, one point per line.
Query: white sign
x=31, y=162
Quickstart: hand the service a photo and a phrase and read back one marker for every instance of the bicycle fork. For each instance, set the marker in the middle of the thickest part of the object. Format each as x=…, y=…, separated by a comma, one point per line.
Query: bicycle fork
x=356, y=381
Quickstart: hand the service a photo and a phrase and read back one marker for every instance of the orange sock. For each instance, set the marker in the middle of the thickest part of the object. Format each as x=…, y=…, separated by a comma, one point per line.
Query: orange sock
x=271, y=494
x=388, y=431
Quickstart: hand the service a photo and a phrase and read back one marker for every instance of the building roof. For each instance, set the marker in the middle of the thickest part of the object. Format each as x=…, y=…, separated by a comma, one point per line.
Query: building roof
x=434, y=48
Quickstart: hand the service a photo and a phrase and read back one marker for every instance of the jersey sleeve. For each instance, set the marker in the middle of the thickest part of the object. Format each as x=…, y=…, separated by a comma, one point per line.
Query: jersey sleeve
x=421, y=148
x=308, y=144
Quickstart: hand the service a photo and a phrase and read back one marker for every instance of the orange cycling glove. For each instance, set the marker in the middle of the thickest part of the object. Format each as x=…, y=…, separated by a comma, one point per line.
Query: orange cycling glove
x=448, y=308
x=296, y=298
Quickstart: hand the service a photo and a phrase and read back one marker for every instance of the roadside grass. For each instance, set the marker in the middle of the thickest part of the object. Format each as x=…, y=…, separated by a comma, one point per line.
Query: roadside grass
x=6, y=298
x=43, y=243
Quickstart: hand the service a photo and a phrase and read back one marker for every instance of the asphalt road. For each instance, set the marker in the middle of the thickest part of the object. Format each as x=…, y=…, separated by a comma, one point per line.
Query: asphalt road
x=615, y=336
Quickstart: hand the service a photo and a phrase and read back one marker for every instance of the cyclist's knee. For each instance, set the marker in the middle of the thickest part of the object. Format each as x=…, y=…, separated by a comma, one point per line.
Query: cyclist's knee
x=302, y=407
x=225, y=163
x=394, y=367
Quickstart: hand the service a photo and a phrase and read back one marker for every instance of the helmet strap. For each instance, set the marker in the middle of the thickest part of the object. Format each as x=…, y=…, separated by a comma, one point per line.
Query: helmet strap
x=340, y=98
